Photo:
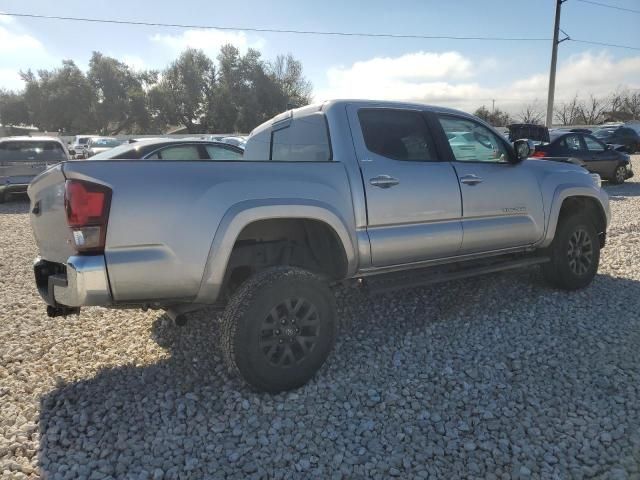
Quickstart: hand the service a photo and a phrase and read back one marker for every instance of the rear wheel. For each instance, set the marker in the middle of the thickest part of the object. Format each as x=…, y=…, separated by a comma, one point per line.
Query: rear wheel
x=619, y=175
x=575, y=254
x=279, y=328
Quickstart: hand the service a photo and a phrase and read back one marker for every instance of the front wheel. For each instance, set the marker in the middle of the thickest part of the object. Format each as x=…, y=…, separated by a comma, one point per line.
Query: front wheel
x=619, y=175
x=279, y=328
x=575, y=254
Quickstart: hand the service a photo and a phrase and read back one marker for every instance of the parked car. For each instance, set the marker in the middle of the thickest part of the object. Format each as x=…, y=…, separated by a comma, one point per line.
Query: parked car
x=621, y=135
x=79, y=145
x=332, y=192
x=97, y=145
x=592, y=154
x=172, y=149
x=23, y=158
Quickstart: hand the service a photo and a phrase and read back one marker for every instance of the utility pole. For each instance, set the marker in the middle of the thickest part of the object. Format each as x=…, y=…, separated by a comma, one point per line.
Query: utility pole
x=493, y=106
x=554, y=59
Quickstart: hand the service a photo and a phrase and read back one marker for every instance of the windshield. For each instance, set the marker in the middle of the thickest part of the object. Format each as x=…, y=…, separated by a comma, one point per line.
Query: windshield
x=602, y=133
x=82, y=140
x=105, y=142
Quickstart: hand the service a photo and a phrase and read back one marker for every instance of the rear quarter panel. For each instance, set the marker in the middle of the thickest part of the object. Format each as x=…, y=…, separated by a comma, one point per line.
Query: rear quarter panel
x=165, y=215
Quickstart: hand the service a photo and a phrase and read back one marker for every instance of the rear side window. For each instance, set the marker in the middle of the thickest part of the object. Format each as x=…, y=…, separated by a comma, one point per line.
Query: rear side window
x=181, y=152
x=396, y=134
x=32, y=151
x=304, y=139
x=221, y=153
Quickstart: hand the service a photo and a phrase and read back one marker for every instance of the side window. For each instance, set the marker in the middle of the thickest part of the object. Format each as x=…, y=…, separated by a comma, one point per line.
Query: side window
x=593, y=145
x=221, y=153
x=473, y=142
x=571, y=143
x=180, y=152
x=304, y=139
x=396, y=134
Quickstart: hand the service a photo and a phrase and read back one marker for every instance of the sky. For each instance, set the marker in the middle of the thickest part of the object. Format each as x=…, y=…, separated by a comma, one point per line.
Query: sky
x=460, y=74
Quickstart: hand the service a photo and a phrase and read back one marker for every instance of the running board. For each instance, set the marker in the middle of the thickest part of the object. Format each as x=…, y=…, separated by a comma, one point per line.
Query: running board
x=417, y=278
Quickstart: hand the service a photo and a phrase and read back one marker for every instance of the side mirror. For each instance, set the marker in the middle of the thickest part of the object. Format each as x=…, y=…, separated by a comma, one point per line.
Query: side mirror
x=72, y=151
x=522, y=148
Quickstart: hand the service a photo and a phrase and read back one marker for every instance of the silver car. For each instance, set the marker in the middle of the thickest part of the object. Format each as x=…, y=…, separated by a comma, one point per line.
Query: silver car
x=23, y=158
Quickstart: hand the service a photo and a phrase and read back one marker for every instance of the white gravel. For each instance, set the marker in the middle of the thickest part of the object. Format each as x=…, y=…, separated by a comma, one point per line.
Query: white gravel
x=492, y=377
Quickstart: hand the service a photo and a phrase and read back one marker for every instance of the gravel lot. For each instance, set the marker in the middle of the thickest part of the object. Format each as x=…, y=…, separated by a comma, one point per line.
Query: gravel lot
x=493, y=377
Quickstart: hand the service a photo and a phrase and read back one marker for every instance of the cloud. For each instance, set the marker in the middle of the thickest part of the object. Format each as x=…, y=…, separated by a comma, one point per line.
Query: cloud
x=209, y=41
x=454, y=80
x=19, y=50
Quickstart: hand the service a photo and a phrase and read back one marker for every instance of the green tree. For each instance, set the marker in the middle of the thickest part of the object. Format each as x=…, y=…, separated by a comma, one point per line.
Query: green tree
x=185, y=92
x=13, y=109
x=59, y=100
x=120, y=96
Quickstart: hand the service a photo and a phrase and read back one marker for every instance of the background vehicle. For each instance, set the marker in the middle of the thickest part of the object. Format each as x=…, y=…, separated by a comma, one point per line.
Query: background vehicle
x=97, y=145
x=79, y=145
x=22, y=158
x=169, y=149
x=326, y=193
x=622, y=135
x=594, y=155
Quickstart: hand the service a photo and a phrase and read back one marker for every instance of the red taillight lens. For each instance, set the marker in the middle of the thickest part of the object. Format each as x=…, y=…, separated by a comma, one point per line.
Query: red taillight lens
x=538, y=154
x=87, y=205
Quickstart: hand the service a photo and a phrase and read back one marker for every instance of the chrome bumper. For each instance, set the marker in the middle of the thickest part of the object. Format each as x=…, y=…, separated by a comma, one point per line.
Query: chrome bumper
x=82, y=281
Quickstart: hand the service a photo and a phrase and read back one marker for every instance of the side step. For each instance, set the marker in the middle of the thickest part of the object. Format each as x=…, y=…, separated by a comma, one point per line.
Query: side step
x=415, y=278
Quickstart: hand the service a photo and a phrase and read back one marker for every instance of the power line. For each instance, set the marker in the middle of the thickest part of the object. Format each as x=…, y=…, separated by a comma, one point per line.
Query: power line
x=604, y=44
x=609, y=6
x=275, y=30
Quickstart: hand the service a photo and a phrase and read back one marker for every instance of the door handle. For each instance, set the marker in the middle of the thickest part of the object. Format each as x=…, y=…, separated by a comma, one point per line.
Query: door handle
x=471, y=179
x=384, y=181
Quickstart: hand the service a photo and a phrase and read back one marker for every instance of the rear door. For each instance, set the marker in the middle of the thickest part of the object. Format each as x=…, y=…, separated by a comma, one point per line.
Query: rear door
x=501, y=201
x=412, y=193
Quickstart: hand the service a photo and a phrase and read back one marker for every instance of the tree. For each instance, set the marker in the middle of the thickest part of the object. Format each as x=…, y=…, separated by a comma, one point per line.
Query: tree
x=59, y=100
x=531, y=113
x=184, y=94
x=497, y=117
x=287, y=72
x=13, y=109
x=120, y=96
x=592, y=111
x=568, y=113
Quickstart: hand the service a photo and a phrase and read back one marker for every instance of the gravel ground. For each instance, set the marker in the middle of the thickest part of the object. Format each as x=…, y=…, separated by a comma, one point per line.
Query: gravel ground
x=498, y=377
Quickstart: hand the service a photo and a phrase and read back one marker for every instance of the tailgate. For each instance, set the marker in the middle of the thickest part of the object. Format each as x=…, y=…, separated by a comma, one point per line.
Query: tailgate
x=48, y=217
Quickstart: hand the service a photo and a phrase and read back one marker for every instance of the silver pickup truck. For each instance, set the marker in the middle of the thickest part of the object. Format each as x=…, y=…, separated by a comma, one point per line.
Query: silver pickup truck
x=389, y=195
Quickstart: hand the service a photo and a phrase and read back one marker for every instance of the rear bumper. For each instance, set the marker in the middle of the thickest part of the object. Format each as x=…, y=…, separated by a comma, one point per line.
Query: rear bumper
x=82, y=281
x=9, y=188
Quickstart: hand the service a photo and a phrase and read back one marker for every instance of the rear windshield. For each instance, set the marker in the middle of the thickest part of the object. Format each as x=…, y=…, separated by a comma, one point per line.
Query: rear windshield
x=105, y=142
x=128, y=150
x=32, y=151
x=83, y=140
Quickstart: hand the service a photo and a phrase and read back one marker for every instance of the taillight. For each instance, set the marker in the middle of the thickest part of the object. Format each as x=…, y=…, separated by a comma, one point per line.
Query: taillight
x=87, y=206
x=539, y=154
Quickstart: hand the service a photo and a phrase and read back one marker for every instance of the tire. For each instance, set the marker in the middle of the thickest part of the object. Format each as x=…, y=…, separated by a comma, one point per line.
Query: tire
x=619, y=175
x=279, y=328
x=573, y=268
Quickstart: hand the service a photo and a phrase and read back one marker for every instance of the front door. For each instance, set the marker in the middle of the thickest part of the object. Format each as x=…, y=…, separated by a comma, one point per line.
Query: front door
x=413, y=198
x=599, y=158
x=501, y=201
